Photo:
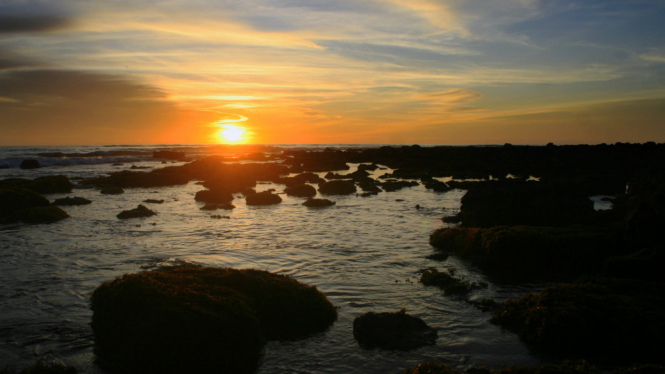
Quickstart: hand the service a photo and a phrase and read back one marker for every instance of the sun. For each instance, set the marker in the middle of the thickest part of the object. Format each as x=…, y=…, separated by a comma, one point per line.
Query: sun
x=231, y=133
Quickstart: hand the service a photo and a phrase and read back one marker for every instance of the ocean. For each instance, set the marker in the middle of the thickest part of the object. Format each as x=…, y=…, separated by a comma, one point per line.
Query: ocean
x=364, y=253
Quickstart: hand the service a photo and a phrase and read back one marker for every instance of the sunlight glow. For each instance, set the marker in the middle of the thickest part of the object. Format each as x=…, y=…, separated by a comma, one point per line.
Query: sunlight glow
x=232, y=133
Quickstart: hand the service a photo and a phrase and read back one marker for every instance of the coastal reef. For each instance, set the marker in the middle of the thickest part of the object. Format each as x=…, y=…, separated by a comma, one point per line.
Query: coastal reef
x=263, y=198
x=449, y=282
x=610, y=321
x=202, y=319
x=42, y=185
x=27, y=206
x=301, y=190
x=398, y=331
x=71, y=201
x=318, y=203
x=337, y=187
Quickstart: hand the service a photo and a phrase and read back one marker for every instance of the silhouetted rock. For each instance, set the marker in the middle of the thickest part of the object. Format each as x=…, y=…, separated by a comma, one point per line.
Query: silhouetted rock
x=214, y=196
x=41, y=368
x=391, y=186
x=316, y=203
x=366, y=167
x=263, y=198
x=30, y=164
x=301, y=190
x=67, y=201
x=646, y=208
x=565, y=367
x=133, y=179
x=448, y=282
x=112, y=191
x=227, y=206
x=42, y=185
x=533, y=251
x=201, y=320
x=436, y=186
x=138, y=212
x=398, y=331
x=509, y=202
x=46, y=214
x=14, y=200
x=210, y=206
x=610, y=321
x=153, y=201
x=337, y=187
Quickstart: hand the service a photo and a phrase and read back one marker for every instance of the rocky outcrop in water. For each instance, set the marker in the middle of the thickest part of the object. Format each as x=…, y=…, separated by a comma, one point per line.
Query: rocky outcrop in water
x=30, y=164
x=111, y=191
x=138, y=212
x=201, y=320
x=337, y=187
x=42, y=185
x=318, y=203
x=397, y=330
x=69, y=201
x=27, y=206
x=301, y=190
x=263, y=198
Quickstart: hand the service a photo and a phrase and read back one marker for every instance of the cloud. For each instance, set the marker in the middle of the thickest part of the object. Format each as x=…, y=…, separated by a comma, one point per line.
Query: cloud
x=17, y=24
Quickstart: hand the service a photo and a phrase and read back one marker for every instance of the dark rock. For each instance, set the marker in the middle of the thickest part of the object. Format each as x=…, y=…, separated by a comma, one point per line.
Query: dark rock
x=532, y=251
x=117, y=164
x=461, y=185
x=609, y=321
x=153, y=201
x=302, y=190
x=41, y=368
x=565, y=367
x=510, y=202
x=331, y=175
x=12, y=201
x=67, y=201
x=370, y=186
x=210, y=206
x=134, y=167
x=201, y=320
x=448, y=282
x=46, y=214
x=645, y=207
x=112, y=191
x=366, y=167
x=391, y=186
x=214, y=196
x=227, y=206
x=138, y=212
x=42, y=185
x=132, y=179
x=30, y=164
x=263, y=198
x=337, y=187
x=397, y=330
x=315, y=203
x=436, y=186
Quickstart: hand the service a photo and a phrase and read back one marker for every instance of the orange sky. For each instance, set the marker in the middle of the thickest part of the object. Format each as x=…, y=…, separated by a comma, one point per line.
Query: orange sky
x=296, y=71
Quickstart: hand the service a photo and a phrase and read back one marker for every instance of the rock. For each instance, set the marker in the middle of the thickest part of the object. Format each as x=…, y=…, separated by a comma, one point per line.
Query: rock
x=46, y=214
x=316, y=203
x=510, y=202
x=391, y=186
x=398, y=331
x=42, y=185
x=67, y=201
x=437, y=186
x=201, y=319
x=41, y=368
x=227, y=206
x=30, y=164
x=117, y=164
x=609, y=321
x=370, y=187
x=532, y=251
x=153, y=201
x=214, y=196
x=131, y=179
x=138, y=212
x=301, y=190
x=112, y=191
x=12, y=201
x=134, y=167
x=448, y=282
x=566, y=367
x=210, y=206
x=366, y=167
x=263, y=198
x=645, y=207
x=337, y=187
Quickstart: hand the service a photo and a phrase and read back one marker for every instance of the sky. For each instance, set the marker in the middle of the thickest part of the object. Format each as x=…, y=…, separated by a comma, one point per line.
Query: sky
x=75, y=72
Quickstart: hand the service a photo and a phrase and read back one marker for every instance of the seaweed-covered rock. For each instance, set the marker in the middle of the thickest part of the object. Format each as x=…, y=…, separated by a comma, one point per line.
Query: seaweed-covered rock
x=397, y=330
x=214, y=196
x=30, y=164
x=69, y=201
x=527, y=250
x=44, y=214
x=112, y=191
x=337, y=187
x=448, y=282
x=201, y=320
x=301, y=190
x=610, y=321
x=27, y=206
x=138, y=212
x=317, y=203
x=512, y=203
x=263, y=198
x=42, y=185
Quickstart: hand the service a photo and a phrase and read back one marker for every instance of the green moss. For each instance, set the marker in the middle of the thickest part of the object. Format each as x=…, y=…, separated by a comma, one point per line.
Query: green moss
x=447, y=281
x=609, y=320
x=203, y=320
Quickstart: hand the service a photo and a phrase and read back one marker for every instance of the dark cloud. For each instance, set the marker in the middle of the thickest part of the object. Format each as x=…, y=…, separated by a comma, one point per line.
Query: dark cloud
x=31, y=23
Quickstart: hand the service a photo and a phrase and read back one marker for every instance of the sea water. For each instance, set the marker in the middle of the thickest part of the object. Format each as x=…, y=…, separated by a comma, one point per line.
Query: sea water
x=364, y=253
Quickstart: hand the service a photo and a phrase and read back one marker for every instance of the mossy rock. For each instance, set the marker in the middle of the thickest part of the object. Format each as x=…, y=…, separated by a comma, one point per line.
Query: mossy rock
x=214, y=196
x=263, y=198
x=398, y=331
x=318, y=203
x=337, y=187
x=610, y=321
x=202, y=319
x=301, y=190
x=528, y=250
x=138, y=212
x=71, y=201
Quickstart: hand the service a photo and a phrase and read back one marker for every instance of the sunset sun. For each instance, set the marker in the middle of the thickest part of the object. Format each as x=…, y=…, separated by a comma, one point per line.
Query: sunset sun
x=232, y=133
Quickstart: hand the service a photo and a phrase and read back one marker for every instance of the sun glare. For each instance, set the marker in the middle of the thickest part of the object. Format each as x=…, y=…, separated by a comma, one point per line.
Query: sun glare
x=232, y=133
